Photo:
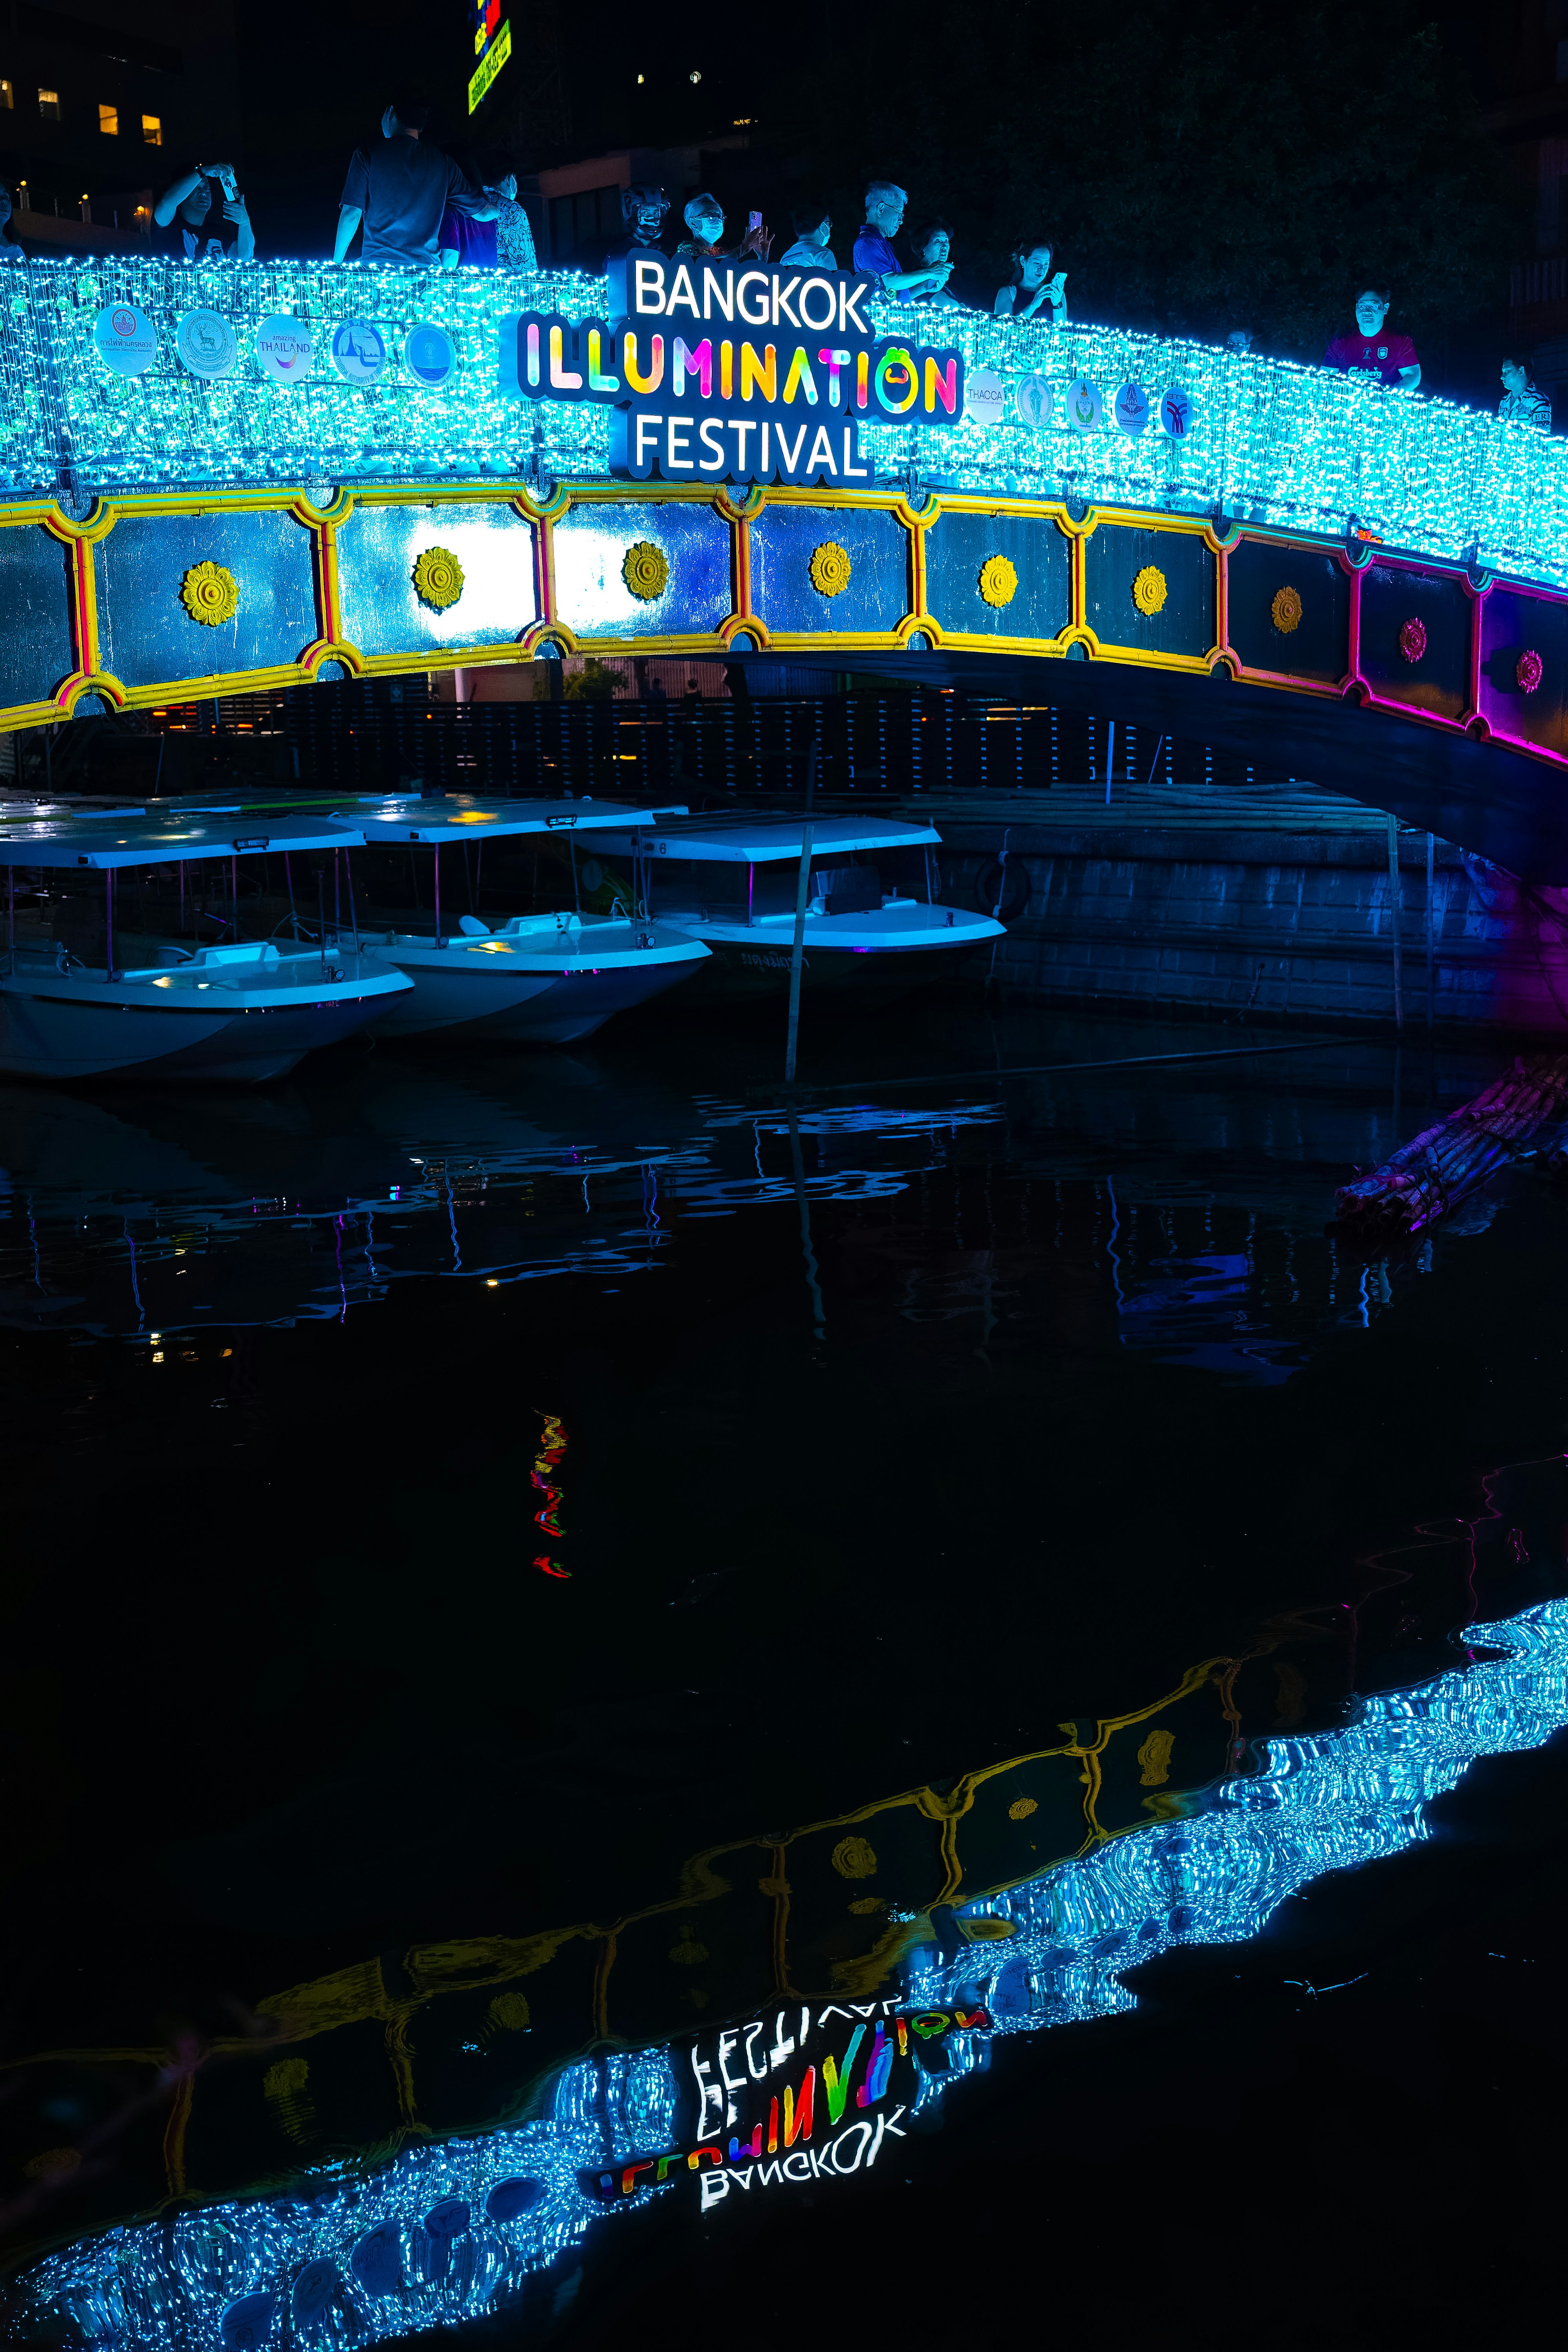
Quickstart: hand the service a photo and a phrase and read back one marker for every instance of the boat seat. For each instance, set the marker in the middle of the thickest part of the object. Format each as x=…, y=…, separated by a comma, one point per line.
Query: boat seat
x=472, y=929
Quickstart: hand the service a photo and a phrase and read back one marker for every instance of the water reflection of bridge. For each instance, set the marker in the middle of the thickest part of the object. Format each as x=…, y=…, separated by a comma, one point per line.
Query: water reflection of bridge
x=1372, y=582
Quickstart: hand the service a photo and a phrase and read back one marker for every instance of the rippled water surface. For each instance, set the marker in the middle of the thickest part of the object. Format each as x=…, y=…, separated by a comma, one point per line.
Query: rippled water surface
x=630, y=1706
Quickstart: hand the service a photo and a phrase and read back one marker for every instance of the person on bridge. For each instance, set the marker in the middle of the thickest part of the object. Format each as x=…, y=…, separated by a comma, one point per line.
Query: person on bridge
x=1031, y=286
x=401, y=190
x=874, y=254
x=206, y=214
x=934, y=251
x=505, y=242
x=705, y=219
x=813, y=228
x=1523, y=402
x=1370, y=352
x=644, y=209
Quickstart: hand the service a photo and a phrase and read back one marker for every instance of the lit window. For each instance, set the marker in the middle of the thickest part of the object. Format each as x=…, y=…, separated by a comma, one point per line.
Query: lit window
x=7, y=96
x=108, y=121
x=152, y=129
x=50, y=104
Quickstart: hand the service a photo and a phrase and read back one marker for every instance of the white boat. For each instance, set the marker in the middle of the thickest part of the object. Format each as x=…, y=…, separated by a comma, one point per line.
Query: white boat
x=242, y=1010
x=543, y=980
x=872, y=924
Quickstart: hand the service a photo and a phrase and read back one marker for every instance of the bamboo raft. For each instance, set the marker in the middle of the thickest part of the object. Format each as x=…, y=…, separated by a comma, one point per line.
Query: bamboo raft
x=1436, y=1170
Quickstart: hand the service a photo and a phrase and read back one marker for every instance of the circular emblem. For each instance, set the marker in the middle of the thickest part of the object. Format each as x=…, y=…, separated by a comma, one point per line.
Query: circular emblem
x=1022, y=1807
x=283, y=350
x=438, y=577
x=830, y=569
x=430, y=356
x=1286, y=610
x=205, y=342
x=127, y=341
x=853, y=1857
x=1529, y=670
x=998, y=581
x=1149, y=590
x=982, y=396
x=1176, y=418
x=359, y=354
x=1033, y=402
x=645, y=569
x=1131, y=408
x=1413, y=640
x=1085, y=413
x=210, y=594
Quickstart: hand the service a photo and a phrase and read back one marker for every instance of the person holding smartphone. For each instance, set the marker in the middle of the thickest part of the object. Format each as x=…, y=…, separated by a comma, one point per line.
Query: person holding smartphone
x=705, y=219
x=874, y=254
x=203, y=217
x=1031, y=288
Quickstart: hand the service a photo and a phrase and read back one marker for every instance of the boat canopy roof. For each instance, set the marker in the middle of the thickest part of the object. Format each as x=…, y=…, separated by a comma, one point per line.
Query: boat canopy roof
x=166, y=840
x=766, y=840
x=388, y=817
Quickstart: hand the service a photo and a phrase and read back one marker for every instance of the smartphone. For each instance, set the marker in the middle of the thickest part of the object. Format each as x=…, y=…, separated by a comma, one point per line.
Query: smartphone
x=755, y=221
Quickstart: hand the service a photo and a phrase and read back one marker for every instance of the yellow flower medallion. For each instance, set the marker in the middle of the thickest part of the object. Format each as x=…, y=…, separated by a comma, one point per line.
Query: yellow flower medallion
x=998, y=581
x=210, y=594
x=1149, y=590
x=646, y=571
x=1286, y=610
x=437, y=577
x=830, y=569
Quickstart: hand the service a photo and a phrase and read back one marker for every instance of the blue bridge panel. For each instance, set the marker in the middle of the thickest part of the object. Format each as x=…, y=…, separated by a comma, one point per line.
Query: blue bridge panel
x=146, y=635
x=35, y=595
x=382, y=611
x=785, y=538
x=1513, y=627
x=1182, y=623
x=1290, y=610
x=592, y=543
x=958, y=546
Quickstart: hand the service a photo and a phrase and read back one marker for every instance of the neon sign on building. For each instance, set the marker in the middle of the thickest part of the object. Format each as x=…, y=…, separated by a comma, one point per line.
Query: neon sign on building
x=715, y=370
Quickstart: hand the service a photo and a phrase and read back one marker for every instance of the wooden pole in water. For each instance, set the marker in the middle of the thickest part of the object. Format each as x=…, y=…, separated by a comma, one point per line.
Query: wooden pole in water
x=797, y=952
x=1431, y=936
x=1394, y=911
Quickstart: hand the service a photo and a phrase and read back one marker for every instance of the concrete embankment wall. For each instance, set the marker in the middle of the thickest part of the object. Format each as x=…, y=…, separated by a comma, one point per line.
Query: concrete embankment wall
x=1294, y=926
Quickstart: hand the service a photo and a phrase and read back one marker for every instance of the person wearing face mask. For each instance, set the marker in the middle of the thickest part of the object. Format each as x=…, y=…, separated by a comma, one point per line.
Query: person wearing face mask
x=811, y=250
x=1371, y=351
x=1031, y=288
x=874, y=254
x=705, y=220
x=1523, y=402
x=203, y=216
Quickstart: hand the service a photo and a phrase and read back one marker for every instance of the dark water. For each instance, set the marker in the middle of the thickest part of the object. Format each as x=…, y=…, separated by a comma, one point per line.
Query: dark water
x=520, y=1568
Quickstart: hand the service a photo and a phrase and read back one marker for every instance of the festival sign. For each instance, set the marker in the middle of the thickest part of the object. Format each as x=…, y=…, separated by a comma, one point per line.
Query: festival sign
x=283, y=350
x=746, y=2124
x=779, y=395
x=207, y=343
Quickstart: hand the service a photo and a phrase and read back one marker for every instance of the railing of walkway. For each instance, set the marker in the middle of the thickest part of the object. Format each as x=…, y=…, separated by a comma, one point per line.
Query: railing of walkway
x=1267, y=442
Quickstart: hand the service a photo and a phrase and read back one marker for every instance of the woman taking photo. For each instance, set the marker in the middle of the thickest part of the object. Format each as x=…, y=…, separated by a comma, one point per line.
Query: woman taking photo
x=1031, y=288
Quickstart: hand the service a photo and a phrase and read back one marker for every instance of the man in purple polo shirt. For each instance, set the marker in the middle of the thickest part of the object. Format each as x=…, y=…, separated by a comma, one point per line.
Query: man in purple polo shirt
x=1390, y=358
x=874, y=254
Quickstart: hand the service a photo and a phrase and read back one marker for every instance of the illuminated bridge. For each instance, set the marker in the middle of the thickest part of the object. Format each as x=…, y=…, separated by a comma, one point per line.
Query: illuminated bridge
x=1373, y=584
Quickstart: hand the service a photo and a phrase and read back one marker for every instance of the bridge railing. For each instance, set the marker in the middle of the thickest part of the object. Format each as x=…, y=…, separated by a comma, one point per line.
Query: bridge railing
x=1268, y=441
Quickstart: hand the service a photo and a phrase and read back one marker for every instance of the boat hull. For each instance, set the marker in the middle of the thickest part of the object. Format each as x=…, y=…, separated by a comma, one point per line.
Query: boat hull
x=446, y=999
x=578, y=1002
x=738, y=974
x=62, y=1038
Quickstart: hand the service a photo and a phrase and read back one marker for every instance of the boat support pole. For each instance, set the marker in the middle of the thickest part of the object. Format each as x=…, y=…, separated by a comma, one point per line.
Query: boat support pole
x=11, y=917
x=798, y=951
x=1395, y=911
x=440, y=941
x=289, y=879
x=109, y=921
x=353, y=912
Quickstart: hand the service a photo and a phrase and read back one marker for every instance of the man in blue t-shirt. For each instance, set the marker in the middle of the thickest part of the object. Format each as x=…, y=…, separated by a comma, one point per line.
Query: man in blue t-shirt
x=874, y=254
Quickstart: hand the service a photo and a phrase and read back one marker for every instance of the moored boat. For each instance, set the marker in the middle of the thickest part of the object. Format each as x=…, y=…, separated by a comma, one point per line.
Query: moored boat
x=235, y=1011
x=873, y=922
x=534, y=978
